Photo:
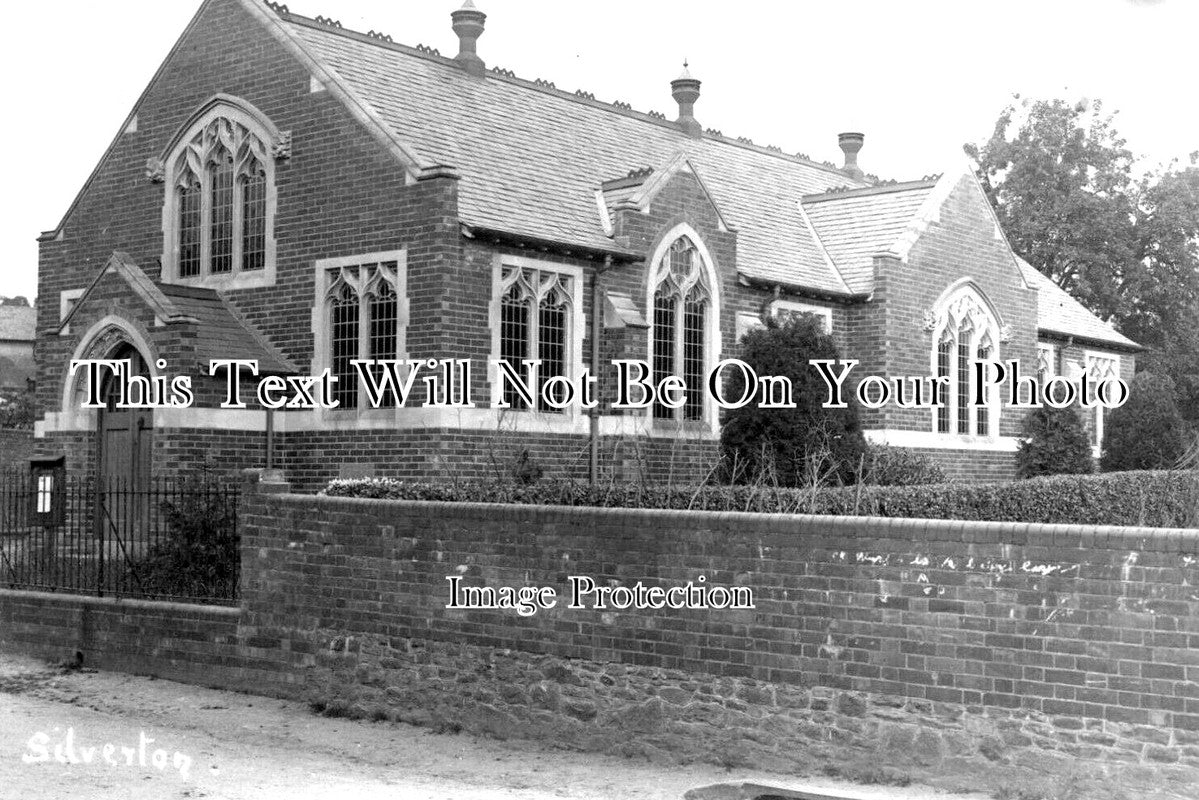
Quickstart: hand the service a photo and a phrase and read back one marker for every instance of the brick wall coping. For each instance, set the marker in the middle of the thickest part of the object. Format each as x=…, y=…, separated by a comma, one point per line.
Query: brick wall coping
x=123, y=604
x=1164, y=540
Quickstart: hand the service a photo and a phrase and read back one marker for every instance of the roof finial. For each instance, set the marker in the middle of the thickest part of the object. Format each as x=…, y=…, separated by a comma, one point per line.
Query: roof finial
x=851, y=143
x=685, y=90
x=468, y=24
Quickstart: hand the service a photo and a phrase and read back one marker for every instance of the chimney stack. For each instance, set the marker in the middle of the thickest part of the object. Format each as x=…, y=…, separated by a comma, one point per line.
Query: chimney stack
x=468, y=24
x=851, y=143
x=686, y=91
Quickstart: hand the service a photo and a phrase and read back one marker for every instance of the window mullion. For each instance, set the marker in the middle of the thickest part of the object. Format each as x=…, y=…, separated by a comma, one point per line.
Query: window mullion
x=364, y=328
x=533, y=309
x=680, y=309
x=239, y=205
x=205, y=221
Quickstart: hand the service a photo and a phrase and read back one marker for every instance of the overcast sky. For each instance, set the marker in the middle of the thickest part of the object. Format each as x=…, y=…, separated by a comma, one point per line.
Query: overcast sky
x=919, y=77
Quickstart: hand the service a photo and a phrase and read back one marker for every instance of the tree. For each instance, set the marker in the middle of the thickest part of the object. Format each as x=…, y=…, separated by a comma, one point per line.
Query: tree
x=1162, y=312
x=1061, y=180
x=1062, y=185
x=1055, y=442
x=1147, y=432
x=796, y=446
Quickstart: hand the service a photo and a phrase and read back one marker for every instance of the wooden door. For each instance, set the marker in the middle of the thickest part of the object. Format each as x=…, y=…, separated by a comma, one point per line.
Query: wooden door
x=125, y=436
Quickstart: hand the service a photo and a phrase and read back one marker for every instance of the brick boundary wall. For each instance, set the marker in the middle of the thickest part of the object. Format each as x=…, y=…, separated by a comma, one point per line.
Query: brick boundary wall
x=951, y=644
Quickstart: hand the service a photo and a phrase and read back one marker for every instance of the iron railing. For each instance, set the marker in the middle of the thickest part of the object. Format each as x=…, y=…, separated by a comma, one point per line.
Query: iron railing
x=161, y=539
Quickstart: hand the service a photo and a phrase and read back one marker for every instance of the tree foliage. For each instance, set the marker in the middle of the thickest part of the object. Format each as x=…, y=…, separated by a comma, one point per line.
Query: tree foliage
x=17, y=408
x=1060, y=177
x=801, y=446
x=1055, y=442
x=1063, y=183
x=1147, y=432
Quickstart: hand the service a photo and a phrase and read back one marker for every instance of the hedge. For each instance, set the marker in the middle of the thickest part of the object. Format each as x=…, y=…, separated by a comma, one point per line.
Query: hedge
x=1168, y=499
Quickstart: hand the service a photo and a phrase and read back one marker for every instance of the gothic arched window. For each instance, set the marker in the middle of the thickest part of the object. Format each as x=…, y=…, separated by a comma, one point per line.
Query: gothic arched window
x=364, y=321
x=536, y=318
x=218, y=220
x=965, y=331
x=682, y=307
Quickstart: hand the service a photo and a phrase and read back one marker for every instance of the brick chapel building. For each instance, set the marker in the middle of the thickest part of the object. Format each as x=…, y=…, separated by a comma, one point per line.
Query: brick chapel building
x=296, y=193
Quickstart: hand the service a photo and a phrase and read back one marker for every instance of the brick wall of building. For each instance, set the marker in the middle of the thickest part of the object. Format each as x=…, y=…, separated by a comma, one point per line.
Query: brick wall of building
x=973, y=644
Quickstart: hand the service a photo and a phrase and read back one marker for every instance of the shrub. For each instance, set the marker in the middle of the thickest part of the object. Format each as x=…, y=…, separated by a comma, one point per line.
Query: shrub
x=1147, y=432
x=1158, y=499
x=897, y=466
x=16, y=409
x=199, y=557
x=1055, y=443
x=806, y=445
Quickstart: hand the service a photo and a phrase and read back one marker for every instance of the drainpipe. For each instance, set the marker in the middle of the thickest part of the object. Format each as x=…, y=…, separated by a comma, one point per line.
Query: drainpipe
x=595, y=357
x=774, y=298
x=270, y=438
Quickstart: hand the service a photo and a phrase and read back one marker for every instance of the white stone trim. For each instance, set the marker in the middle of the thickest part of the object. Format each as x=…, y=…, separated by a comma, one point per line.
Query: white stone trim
x=942, y=441
x=414, y=418
x=64, y=307
x=577, y=327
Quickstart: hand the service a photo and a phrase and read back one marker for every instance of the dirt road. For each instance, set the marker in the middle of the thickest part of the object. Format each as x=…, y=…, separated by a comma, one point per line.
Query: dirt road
x=167, y=740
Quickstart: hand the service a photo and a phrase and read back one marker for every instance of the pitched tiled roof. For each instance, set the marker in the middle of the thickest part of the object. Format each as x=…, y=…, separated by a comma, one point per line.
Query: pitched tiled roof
x=1058, y=312
x=853, y=226
x=221, y=333
x=17, y=323
x=531, y=158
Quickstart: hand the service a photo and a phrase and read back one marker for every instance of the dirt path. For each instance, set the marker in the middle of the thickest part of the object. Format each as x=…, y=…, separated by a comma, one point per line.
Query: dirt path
x=241, y=747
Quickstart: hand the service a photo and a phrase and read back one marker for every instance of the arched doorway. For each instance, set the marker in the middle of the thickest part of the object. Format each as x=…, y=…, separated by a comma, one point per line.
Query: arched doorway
x=124, y=437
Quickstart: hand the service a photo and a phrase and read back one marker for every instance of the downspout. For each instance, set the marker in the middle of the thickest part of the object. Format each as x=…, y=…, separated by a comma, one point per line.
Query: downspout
x=594, y=412
x=774, y=298
x=270, y=438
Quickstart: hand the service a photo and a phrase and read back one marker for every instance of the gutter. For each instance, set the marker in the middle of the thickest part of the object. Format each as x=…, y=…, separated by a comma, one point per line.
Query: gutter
x=803, y=291
x=565, y=248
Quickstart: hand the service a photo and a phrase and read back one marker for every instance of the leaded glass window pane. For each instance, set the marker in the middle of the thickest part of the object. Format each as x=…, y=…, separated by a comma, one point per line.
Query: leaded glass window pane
x=221, y=183
x=253, y=238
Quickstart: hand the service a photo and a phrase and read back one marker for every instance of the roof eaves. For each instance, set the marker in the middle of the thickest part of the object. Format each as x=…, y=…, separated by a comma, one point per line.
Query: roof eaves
x=867, y=191
x=1122, y=343
x=473, y=231
x=848, y=296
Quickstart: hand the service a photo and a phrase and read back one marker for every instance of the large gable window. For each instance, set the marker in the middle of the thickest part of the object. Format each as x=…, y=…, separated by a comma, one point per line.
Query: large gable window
x=682, y=302
x=965, y=331
x=218, y=214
